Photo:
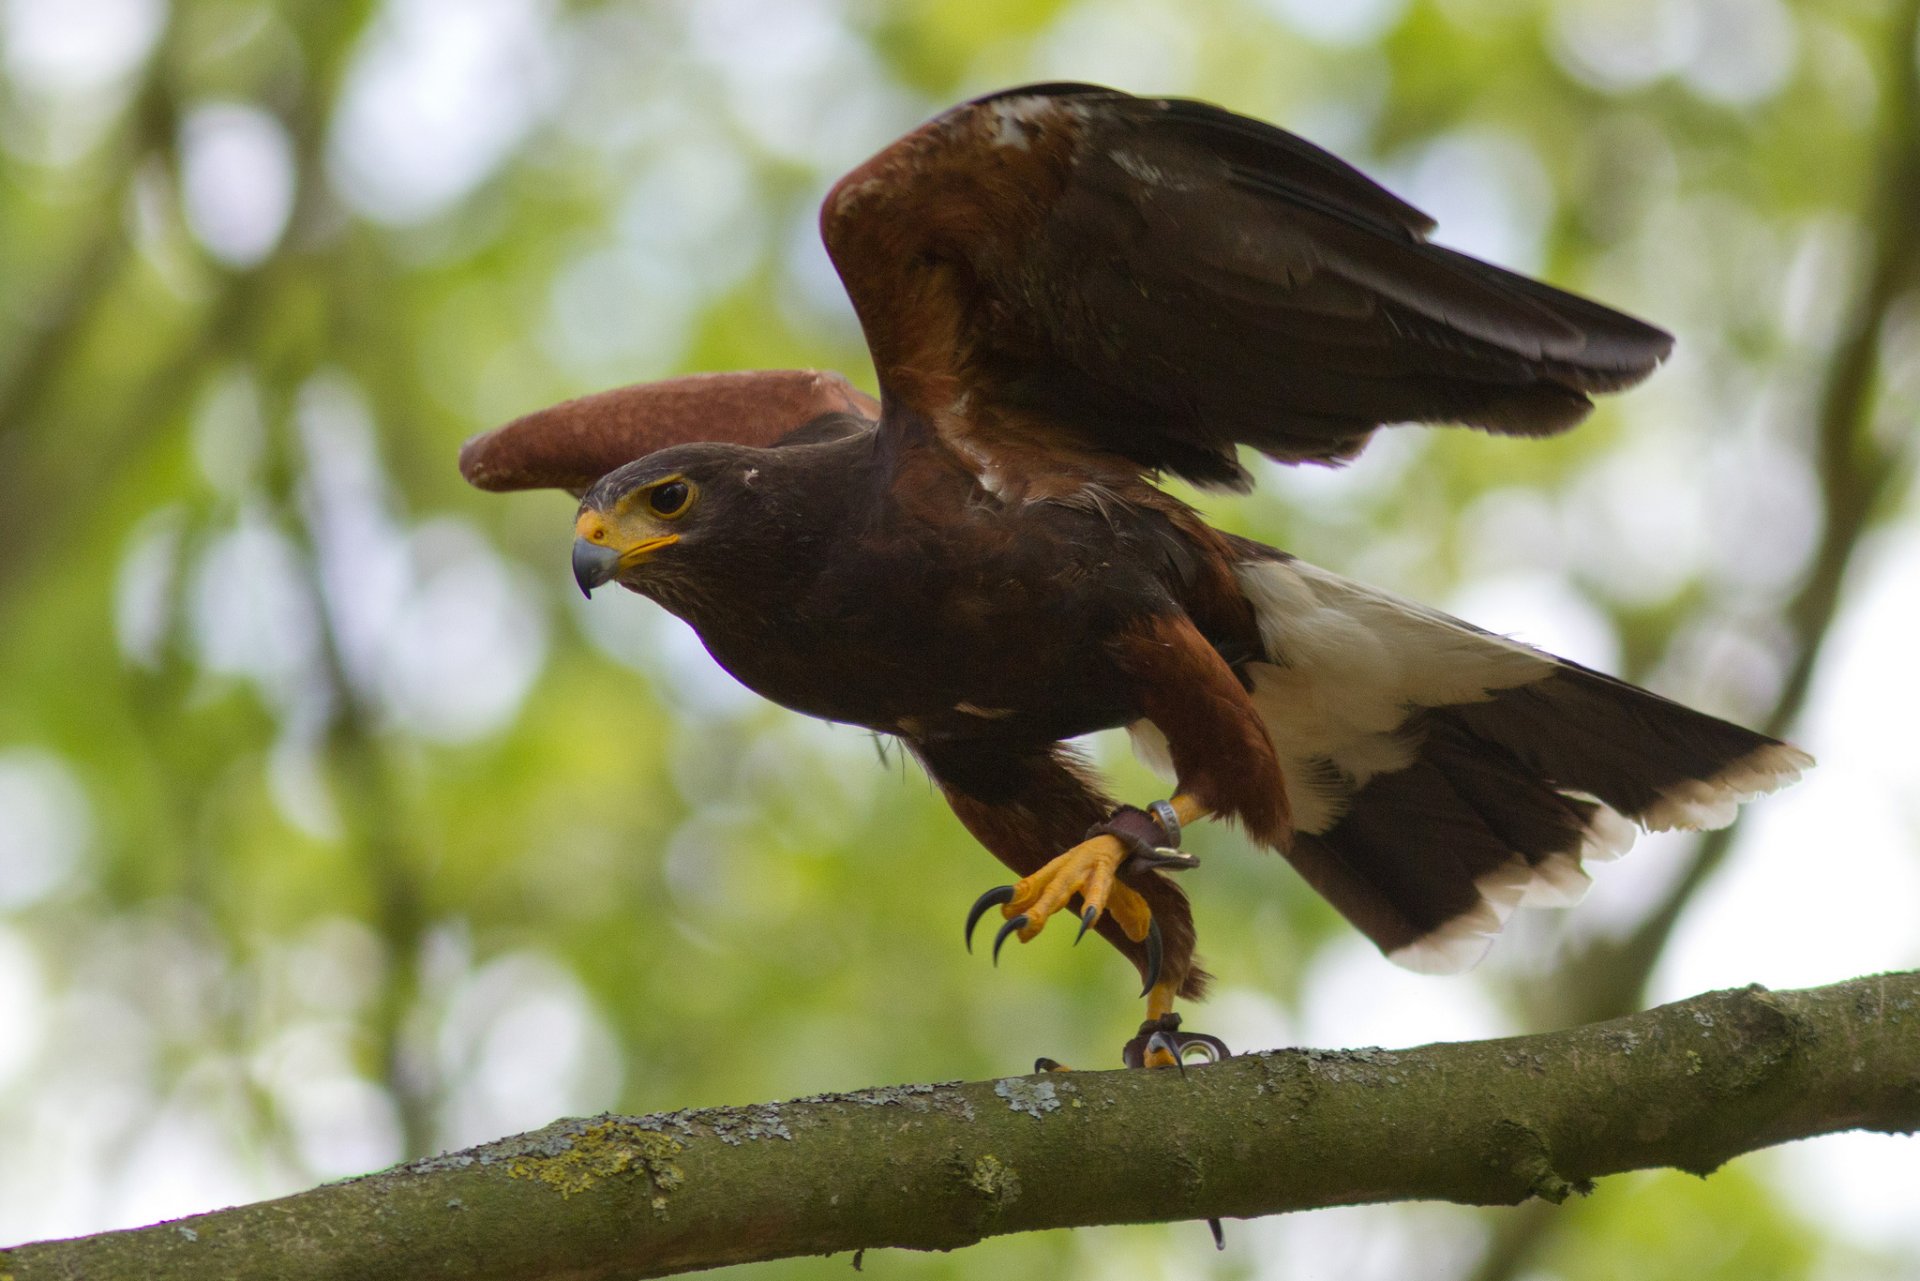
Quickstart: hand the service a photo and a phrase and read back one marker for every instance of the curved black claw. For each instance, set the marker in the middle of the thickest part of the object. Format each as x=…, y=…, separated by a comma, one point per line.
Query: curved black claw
x=1219, y=1234
x=1164, y=1035
x=1087, y=918
x=1013, y=926
x=1155, y=954
x=992, y=898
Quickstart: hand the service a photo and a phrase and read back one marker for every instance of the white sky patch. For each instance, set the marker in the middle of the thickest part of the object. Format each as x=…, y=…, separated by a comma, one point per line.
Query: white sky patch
x=1861, y=1183
x=188, y=1158
x=77, y=45
x=441, y=92
x=1826, y=884
x=1488, y=192
x=1354, y=996
x=1751, y=55
x=1143, y=47
x=521, y=1044
x=1624, y=891
x=297, y=773
x=686, y=230
x=1636, y=521
x=250, y=617
x=1731, y=665
x=144, y=585
x=46, y=825
x=1511, y=530
x=1349, y=22
x=632, y=630
x=694, y=211
x=1621, y=45
x=342, y=1124
x=237, y=180
x=797, y=79
x=1544, y=611
x=461, y=653
x=1344, y=493
x=431, y=621
x=1247, y=1019
x=1766, y=512
x=335, y=966
x=811, y=297
x=359, y=539
x=619, y=316
x=23, y=1003
x=1360, y=1243
x=699, y=861
x=766, y=37
x=820, y=779
x=1346, y=125
x=75, y=1127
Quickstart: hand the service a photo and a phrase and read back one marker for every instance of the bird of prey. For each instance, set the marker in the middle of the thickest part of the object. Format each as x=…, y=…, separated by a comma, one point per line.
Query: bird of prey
x=1070, y=293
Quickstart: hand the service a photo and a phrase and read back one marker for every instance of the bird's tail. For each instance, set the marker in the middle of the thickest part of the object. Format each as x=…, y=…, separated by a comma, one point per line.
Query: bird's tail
x=1441, y=776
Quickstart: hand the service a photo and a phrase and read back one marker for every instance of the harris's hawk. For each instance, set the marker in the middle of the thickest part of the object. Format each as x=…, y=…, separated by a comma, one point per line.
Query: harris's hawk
x=1069, y=292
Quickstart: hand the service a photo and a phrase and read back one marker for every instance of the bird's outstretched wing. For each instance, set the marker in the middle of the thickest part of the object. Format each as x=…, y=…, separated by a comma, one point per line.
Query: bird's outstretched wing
x=575, y=443
x=1082, y=270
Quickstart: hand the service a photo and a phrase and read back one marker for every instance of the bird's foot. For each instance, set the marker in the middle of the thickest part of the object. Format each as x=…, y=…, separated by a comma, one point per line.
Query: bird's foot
x=1160, y=1044
x=1129, y=841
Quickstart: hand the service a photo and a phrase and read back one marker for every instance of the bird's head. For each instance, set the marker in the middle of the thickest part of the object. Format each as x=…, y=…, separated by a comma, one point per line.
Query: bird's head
x=704, y=527
x=657, y=519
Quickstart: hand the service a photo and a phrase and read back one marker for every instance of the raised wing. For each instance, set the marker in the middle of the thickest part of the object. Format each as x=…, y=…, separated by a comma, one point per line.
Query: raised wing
x=1076, y=268
x=577, y=442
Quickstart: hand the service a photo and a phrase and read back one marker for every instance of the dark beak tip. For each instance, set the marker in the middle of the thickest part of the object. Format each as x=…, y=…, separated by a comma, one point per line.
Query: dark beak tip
x=593, y=565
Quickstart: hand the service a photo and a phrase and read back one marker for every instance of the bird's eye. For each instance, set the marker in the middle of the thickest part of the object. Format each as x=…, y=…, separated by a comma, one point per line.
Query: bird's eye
x=671, y=499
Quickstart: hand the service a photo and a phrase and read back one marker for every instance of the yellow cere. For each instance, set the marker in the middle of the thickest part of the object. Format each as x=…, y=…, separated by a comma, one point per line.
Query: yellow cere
x=633, y=532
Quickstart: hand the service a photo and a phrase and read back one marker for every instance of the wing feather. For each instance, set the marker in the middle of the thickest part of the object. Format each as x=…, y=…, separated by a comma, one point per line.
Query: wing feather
x=1075, y=269
x=573, y=444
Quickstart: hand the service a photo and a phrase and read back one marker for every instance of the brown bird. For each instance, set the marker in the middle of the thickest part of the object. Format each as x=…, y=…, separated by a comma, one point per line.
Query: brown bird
x=1068, y=293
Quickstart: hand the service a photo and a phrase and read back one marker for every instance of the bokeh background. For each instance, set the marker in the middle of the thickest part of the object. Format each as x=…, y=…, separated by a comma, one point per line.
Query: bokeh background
x=335, y=828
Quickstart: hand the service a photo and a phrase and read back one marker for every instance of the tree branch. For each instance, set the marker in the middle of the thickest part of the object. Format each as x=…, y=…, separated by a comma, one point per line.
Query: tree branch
x=1688, y=1085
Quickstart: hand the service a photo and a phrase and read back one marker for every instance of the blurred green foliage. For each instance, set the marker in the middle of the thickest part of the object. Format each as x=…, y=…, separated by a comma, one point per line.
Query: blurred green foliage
x=335, y=829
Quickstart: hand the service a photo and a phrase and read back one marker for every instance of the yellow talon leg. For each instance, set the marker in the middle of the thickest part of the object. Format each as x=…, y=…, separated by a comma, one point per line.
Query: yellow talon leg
x=1188, y=808
x=1160, y=1001
x=1091, y=871
x=1087, y=870
x=1156, y=1053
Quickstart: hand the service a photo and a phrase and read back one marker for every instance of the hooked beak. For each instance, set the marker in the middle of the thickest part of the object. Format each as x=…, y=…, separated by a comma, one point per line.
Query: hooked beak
x=600, y=553
x=593, y=564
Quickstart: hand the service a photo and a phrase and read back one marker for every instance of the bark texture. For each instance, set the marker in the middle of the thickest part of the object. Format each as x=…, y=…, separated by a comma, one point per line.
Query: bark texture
x=1688, y=1085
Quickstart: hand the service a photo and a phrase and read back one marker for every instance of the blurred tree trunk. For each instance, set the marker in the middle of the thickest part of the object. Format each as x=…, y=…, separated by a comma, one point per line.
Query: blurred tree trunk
x=937, y=1167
